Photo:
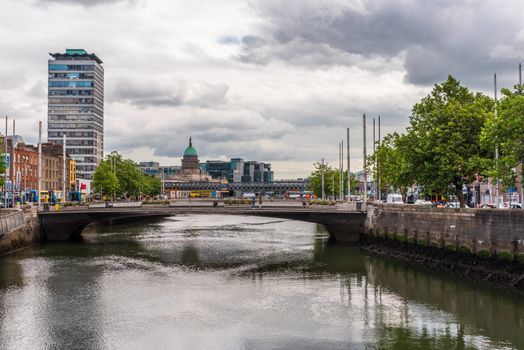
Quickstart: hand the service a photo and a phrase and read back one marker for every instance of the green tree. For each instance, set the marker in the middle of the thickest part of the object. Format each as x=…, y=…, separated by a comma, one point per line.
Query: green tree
x=123, y=177
x=393, y=167
x=506, y=129
x=105, y=180
x=331, y=180
x=131, y=178
x=2, y=169
x=152, y=185
x=444, y=138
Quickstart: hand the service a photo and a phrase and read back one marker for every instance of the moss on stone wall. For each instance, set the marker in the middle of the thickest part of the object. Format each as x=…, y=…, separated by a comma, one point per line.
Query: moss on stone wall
x=464, y=249
x=484, y=253
x=423, y=242
x=506, y=256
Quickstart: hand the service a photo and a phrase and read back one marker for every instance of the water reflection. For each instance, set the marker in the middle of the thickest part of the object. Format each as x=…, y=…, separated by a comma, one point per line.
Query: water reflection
x=230, y=282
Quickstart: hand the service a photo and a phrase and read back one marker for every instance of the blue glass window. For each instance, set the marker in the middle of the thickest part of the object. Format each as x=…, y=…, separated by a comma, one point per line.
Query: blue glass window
x=70, y=83
x=58, y=67
x=73, y=75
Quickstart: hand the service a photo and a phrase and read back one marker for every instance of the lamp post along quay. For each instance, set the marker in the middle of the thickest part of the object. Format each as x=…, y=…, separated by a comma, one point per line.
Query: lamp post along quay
x=5, y=172
x=364, y=156
x=349, y=174
x=13, y=167
x=39, y=163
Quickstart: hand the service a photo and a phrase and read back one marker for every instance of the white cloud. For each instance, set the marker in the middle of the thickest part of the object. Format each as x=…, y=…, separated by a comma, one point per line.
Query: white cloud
x=262, y=79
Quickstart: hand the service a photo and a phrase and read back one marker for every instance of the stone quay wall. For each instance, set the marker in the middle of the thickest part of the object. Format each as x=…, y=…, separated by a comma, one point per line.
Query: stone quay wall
x=483, y=232
x=22, y=234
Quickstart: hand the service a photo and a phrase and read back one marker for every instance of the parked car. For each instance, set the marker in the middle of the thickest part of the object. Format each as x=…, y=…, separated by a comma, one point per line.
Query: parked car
x=488, y=205
x=455, y=205
x=423, y=202
x=394, y=198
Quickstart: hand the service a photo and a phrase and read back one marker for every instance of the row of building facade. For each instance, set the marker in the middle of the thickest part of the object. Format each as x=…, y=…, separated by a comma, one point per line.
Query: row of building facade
x=233, y=177
x=234, y=171
x=237, y=170
x=22, y=167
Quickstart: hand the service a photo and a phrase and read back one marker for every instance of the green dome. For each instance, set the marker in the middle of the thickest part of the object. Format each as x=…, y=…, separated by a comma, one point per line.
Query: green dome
x=190, y=151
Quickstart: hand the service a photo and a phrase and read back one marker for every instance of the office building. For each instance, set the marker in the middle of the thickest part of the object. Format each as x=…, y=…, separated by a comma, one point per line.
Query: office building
x=237, y=170
x=76, y=107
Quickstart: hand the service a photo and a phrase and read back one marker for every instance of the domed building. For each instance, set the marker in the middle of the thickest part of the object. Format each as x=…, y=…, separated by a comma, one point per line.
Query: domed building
x=190, y=162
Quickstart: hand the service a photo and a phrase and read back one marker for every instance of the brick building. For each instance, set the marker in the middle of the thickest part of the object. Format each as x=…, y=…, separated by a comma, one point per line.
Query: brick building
x=23, y=167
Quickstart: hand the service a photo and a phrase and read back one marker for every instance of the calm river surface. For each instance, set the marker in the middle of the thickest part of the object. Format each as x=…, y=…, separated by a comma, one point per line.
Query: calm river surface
x=232, y=282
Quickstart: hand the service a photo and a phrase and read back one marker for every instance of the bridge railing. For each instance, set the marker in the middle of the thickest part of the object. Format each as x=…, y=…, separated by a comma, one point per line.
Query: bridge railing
x=11, y=220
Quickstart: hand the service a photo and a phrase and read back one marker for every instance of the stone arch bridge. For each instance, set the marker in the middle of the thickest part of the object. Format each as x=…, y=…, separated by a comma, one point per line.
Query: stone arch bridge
x=68, y=224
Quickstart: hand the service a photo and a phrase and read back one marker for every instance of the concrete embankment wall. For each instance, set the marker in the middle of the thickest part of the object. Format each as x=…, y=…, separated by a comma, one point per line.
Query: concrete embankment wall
x=22, y=231
x=484, y=232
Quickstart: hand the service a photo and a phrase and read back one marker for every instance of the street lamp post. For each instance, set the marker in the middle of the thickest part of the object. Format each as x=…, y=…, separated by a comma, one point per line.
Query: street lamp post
x=5, y=172
x=322, y=173
x=333, y=188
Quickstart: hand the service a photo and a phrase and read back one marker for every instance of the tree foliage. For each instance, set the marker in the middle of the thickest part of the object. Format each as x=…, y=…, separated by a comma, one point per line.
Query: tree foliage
x=2, y=169
x=444, y=138
x=105, y=180
x=331, y=180
x=442, y=149
x=393, y=170
x=124, y=178
x=506, y=129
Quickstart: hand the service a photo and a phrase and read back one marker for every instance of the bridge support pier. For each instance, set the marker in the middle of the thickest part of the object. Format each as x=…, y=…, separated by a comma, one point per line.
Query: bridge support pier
x=343, y=232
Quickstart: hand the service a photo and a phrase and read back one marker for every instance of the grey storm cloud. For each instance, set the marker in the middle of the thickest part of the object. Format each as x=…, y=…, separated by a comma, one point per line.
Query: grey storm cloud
x=152, y=94
x=232, y=131
x=265, y=79
x=470, y=39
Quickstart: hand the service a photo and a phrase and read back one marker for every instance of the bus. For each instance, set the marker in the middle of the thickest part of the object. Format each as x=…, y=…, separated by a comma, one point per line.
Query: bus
x=44, y=196
x=47, y=197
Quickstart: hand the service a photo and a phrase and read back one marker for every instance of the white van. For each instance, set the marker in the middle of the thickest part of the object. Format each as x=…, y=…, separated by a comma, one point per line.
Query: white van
x=395, y=198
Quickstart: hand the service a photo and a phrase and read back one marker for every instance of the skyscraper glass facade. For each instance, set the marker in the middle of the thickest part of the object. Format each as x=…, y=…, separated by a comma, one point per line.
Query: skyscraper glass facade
x=238, y=170
x=76, y=107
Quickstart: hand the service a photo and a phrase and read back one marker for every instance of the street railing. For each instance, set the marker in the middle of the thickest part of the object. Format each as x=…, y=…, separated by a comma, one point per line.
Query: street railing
x=11, y=220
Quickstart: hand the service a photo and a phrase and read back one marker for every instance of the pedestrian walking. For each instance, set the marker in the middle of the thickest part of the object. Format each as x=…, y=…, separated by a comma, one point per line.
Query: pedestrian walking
x=260, y=202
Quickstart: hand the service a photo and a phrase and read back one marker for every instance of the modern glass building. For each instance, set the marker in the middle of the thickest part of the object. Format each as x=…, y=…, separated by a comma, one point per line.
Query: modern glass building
x=76, y=107
x=238, y=170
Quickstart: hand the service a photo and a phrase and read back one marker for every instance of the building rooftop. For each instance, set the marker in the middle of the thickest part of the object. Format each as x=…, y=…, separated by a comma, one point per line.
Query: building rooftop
x=190, y=151
x=75, y=54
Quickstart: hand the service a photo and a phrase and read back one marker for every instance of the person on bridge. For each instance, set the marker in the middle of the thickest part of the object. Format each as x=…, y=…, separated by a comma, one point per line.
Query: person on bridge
x=259, y=202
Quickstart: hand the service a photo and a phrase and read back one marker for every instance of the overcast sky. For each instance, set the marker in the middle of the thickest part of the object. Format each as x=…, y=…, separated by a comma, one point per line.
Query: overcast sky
x=268, y=80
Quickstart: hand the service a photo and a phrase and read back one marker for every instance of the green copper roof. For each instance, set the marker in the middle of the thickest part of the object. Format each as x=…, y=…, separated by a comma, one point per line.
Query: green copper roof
x=190, y=151
x=76, y=52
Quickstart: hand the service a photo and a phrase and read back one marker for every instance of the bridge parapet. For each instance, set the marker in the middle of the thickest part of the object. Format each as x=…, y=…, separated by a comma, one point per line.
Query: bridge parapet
x=343, y=225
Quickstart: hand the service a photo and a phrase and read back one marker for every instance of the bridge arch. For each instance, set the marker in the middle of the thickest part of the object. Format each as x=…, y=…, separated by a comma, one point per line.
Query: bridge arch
x=64, y=225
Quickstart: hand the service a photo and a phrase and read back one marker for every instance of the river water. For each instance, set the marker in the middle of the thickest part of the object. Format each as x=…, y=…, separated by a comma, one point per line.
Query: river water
x=236, y=282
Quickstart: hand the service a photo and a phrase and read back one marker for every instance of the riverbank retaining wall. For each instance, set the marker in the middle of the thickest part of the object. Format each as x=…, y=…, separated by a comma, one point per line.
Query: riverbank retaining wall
x=21, y=229
x=483, y=232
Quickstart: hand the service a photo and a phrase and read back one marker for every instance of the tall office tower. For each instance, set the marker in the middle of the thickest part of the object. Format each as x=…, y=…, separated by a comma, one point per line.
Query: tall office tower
x=76, y=107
